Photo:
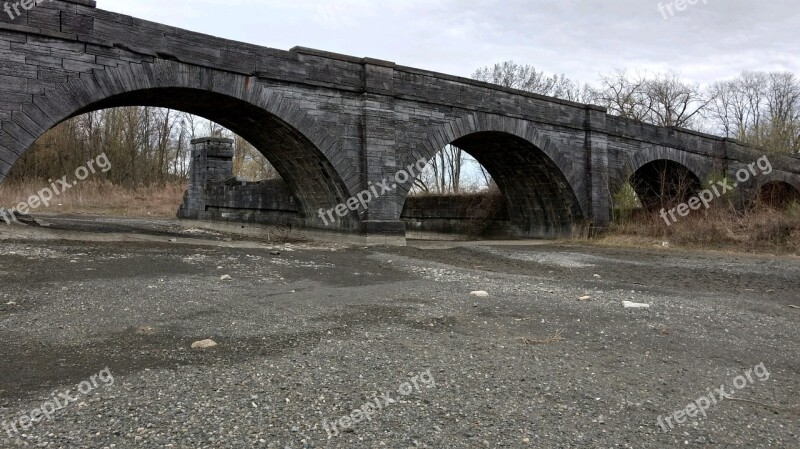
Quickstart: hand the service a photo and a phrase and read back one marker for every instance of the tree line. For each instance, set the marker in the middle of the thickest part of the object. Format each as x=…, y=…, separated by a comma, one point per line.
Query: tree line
x=145, y=145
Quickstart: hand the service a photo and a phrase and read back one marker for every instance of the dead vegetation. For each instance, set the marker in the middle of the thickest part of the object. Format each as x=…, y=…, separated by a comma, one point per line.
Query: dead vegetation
x=761, y=228
x=100, y=198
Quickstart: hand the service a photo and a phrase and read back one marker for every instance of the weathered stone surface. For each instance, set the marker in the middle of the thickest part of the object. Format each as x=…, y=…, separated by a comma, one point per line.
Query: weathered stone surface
x=334, y=125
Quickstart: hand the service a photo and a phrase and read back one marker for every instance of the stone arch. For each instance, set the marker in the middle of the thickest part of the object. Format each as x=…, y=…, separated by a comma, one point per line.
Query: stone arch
x=699, y=167
x=661, y=176
x=779, y=176
x=777, y=189
x=539, y=182
x=295, y=143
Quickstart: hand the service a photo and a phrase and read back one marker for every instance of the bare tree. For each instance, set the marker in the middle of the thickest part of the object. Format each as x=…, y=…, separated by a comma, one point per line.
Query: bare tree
x=672, y=102
x=753, y=86
x=623, y=94
x=528, y=78
x=249, y=163
x=782, y=133
x=721, y=109
x=761, y=109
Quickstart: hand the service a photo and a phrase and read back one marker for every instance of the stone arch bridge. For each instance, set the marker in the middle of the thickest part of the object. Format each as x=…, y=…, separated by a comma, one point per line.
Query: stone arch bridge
x=332, y=125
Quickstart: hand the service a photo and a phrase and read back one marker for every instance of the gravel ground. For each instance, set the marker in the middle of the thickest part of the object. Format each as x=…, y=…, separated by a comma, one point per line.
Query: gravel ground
x=307, y=336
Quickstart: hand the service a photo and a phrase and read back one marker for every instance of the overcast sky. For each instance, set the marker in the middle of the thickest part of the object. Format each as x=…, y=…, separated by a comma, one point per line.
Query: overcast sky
x=714, y=39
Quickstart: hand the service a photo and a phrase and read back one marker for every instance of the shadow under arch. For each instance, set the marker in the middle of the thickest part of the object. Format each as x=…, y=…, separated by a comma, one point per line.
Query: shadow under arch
x=777, y=194
x=664, y=183
x=288, y=137
x=530, y=172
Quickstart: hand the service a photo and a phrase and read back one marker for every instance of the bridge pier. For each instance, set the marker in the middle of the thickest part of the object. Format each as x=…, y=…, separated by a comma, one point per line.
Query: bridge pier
x=379, y=159
x=596, y=147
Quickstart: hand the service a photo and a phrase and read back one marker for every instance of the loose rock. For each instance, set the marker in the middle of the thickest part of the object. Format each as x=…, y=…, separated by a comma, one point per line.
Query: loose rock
x=204, y=344
x=635, y=305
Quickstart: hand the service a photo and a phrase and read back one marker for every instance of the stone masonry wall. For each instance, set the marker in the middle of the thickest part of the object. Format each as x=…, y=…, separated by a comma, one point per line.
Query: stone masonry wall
x=214, y=194
x=467, y=215
x=211, y=161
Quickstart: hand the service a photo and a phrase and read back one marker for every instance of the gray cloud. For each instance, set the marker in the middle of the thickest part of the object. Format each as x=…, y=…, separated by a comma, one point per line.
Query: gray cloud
x=711, y=40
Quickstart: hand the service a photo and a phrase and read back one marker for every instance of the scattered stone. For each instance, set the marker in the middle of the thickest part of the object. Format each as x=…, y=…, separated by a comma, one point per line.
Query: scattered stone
x=480, y=294
x=204, y=344
x=173, y=240
x=274, y=253
x=597, y=276
x=145, y=330
x=228, y=239
x=225, y=277
x=11, y=303
x=635, y=305
x=585, y=298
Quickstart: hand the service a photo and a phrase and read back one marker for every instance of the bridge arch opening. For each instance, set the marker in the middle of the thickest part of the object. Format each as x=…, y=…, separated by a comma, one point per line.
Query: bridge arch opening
x=777, y=195
x=525, y=193
x=131, y=161
x=307, y=172
x=664, y=184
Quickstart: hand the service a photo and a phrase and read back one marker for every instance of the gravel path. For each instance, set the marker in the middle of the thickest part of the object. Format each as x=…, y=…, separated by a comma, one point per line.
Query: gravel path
x=307, y=336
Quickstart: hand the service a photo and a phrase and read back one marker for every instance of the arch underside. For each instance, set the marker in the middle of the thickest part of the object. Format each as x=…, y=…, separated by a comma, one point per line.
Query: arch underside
x=307, y=172
x=539, y=199
x=664, y=183
x=777, y=194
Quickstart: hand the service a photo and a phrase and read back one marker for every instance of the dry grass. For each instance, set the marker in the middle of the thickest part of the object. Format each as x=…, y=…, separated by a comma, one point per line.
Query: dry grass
x=101, y=198
x=760, y=229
